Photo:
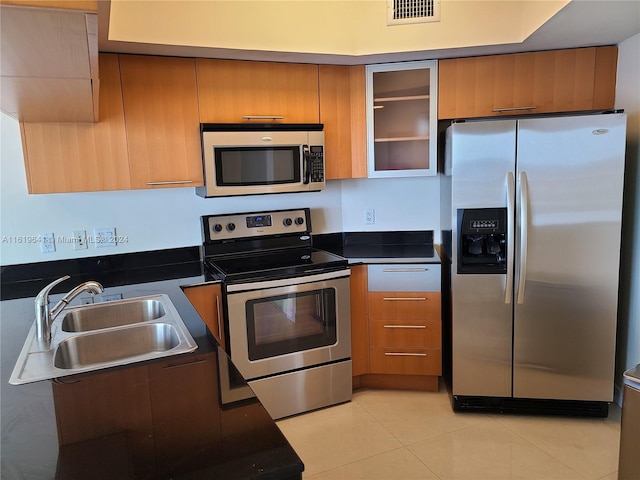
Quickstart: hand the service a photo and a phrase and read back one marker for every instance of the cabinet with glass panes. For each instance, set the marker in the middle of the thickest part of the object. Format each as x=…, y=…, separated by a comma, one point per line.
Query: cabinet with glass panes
x=402, y=119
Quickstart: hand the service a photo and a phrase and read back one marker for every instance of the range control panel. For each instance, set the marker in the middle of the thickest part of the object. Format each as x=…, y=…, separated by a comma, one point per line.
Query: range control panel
x=256, y=224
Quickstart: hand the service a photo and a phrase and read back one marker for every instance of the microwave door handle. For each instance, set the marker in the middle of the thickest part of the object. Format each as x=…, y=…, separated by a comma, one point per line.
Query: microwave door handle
x=306, y=159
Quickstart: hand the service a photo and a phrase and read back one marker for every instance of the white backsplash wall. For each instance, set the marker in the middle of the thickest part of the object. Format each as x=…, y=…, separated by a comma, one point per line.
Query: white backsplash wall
x=146, y=219
x=411, y=203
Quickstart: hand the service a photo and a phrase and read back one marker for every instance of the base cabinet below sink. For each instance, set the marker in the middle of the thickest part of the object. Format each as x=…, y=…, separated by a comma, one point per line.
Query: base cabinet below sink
x=167, y=409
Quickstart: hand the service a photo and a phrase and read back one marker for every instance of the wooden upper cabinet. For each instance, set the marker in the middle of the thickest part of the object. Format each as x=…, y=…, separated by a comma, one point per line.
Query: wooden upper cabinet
x=527, y=83
x=161, y=112
x=49, y=62
x=230, y=90
x=343, y=113
x=80, y=157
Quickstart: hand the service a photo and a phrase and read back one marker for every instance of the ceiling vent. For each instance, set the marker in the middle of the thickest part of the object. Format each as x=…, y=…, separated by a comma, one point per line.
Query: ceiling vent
x=400, y=12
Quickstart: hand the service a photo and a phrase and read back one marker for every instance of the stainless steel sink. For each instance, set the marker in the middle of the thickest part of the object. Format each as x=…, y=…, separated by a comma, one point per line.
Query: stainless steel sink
x=125, y=343
x=103, y=335
x=112, y=314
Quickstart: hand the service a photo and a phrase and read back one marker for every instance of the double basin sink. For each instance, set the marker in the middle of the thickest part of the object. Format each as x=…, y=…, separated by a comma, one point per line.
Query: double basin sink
x=103, y=335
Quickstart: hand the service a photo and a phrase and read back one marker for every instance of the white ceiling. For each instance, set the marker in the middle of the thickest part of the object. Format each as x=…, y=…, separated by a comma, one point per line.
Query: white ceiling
x=581, y=23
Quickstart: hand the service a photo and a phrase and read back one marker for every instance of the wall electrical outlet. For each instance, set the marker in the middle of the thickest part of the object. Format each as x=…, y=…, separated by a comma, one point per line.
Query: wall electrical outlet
x=111, y=297
x=80, y=240
x=104, y=237
x=47, y=243
x=370, y=216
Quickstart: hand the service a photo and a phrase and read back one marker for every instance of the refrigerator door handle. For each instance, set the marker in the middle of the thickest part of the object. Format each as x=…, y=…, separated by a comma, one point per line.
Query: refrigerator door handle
x=524, y=224
x=510, y=236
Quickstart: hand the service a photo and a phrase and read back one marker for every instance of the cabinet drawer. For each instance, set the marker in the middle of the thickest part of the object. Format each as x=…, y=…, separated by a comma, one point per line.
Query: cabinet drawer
x=406, y=361
x=403, y=333
x=423, y=277
x=404, y=306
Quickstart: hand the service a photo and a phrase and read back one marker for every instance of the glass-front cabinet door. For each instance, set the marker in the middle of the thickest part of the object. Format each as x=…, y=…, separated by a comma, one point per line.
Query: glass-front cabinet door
x=402, y=119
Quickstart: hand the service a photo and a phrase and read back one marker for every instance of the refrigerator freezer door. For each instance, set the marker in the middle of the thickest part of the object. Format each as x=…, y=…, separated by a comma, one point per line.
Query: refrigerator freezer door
x=481, y=157
x=565, y=315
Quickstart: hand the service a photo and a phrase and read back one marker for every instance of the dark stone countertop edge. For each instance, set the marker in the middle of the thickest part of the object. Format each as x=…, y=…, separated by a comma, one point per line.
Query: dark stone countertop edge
x=381, y=247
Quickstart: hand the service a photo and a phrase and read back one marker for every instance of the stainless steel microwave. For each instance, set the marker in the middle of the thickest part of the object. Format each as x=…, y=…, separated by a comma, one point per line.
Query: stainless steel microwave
x=252, y=159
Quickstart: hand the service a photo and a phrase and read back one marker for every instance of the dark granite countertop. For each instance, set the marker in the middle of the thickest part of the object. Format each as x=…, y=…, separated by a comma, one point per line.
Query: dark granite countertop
x=254, y=447
x=381, y=247
x=251, y=446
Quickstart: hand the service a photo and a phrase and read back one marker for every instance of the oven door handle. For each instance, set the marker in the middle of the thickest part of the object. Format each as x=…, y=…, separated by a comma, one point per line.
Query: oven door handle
x=285, y=282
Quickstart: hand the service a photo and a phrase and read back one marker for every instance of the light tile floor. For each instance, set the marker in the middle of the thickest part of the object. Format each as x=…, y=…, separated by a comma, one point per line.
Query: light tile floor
x=403, y=435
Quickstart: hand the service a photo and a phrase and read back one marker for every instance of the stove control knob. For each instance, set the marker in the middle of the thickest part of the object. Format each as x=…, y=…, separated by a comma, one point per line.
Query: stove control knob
x=287, y=222
x=299, y=221
x=217, y=227
x=231, y=227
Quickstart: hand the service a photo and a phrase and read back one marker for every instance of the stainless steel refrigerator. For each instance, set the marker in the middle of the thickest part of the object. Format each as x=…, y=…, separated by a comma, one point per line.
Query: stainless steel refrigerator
x=534, y=208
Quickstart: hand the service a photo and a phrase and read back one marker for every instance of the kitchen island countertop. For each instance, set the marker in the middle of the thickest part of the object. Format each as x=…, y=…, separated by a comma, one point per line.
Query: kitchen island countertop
x=254, y=447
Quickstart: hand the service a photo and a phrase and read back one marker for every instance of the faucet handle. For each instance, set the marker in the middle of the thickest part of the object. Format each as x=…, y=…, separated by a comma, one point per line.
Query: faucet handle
x=44, y=293
x=42, y=310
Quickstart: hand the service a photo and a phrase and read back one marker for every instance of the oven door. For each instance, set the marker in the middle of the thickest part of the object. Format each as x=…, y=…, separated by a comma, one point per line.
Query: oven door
x=277, y=326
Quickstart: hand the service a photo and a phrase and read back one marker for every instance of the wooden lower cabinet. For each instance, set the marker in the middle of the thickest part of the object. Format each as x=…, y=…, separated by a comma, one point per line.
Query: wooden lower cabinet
x=206, y=298
x=403, y=338
x=406, y=361
x=359, y=321
x=95, y=406
x=402, y=333
x=184, y=411
x=169, y=411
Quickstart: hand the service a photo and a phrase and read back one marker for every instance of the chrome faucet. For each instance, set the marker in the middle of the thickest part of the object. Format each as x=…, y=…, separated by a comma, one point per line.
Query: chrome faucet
x=45, y=317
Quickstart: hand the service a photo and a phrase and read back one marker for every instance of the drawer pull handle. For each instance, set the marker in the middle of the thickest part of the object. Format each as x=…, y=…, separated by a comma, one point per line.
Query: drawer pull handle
x=399, y=269
x=405, y=326
x=402, y=354
x=514, y=109
x=172, y=182
x=403, y=299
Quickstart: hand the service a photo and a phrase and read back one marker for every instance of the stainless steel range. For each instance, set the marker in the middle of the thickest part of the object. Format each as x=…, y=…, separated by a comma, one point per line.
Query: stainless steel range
x=287, y=308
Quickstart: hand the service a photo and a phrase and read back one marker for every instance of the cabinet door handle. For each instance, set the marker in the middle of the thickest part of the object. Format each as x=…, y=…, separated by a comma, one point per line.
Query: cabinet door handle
x=63, y=381
x=186, y=364
x=263, y=117
x=514, y=109
x=172, y=182
x=404, y=299
x=405, y=269
x=404, y=326
x=404, y=354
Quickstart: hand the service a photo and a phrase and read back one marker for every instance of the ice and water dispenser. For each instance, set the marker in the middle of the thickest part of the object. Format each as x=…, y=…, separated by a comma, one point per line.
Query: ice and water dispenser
x=482, y=243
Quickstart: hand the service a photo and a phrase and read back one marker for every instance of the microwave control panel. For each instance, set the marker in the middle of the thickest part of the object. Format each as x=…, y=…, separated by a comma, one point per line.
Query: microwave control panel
x=316, y=163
